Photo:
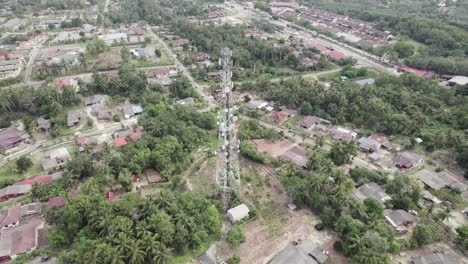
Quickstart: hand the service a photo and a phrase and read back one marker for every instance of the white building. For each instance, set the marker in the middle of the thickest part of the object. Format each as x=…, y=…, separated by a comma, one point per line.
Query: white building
x=238, y=213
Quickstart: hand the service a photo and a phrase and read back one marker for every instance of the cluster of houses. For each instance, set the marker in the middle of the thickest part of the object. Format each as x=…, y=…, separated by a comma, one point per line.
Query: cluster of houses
x=59, y=56
x=11, y=64
x=351, y=30
x=332, y=54
x=11, y=138
x=162, y=76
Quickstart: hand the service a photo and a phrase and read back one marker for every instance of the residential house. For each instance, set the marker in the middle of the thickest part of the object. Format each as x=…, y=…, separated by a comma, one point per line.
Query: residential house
x=307, y=62
x=458, y=80
x=12, y=24
x=206, y=259
x=399, y=219
x=67, y=82
x=131, y=110
x=55, y=158
x=434, y=258
x=136, y=31
x=440, y=180
x=180, y=42
x=42, y=178
x=278, y=117
x=43, y=124
x=342, y=134
x=164, y=81
x=383, y=141
x=10, y=217
x=30, y=209
x=20, y=239
x=121, y=137
x=102, y=112
x=369, y=145
x=14, y=191
x=202, y=56
x=10, y=68
x=238, y=213
x=11, y=138
x=421, y=73
x=426, y=195
x=364, y=82
x=304, y=252
x=308, y=122
x=58, y=201
x=109, y=38
x=215, y=14
x=159, y=73
x=370, y=190
x=204, y=64
x=94, y=99
x=73, y=118
x=406, y=160
x=186, y=101
x=289, y=112
x=138, y=52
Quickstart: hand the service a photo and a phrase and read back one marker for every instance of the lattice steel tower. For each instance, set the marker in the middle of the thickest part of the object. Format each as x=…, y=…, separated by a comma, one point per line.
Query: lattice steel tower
x=227, y=170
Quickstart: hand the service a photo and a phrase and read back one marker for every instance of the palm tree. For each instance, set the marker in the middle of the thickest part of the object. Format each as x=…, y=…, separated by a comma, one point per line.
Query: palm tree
x=135, y=253
x=291, y=169
x=164, y=199
x=163, y=255
x=115, y=256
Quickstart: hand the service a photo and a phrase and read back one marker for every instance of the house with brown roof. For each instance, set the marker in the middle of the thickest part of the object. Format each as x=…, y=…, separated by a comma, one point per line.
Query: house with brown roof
x=19, y=239
x=10, y=217
x=279, y=117
x=342, y=134
x=308, y=122
x=11, y=138
x=406, y=160
x=102, y=112
x=73, y=117
x=399, y=219
x=43, y=124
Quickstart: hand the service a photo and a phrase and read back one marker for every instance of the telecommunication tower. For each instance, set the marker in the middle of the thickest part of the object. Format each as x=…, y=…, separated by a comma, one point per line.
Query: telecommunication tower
x=227, y=170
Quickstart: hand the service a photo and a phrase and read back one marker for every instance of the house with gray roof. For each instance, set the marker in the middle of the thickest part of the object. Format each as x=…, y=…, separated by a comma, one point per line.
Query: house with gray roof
x=370, y=190
x=399, y=219
x=43, y=124
x=94, y=99
x=434, y=258
x=364, y=82
x=308, y=122
x=305, y=252
x=443, y=179
x=369, y=145
x=73, y=117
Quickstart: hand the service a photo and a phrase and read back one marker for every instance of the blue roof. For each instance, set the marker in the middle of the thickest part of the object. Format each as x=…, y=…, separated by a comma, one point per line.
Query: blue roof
x=141, y=52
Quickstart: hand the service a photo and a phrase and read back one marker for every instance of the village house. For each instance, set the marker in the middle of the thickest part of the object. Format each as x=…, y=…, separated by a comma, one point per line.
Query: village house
x=421, y=73
x=426, y=195
x=399, y=219
x=369, y=145
x=342, y=134
x=55, y=158
x=102, y=112
x=201, y=56
x=94, y=99
x=67, y=82
x=160, y=73
x=136, y=31
x=458, y=80
x=383, y=141
x=308, y=122
x=129, y=110
x=370, y=190
x=20, y=239
x=73, y=118
x=278, y=117
x=42, y=178
x=121, y=137
x=215, y=14
x=203, y=64
x=10, y=217
x=43, y=124
x=10, y=68
x=238, y=213
x=303, y=251
x=114, y=37
x=11, y=138
x=364, y=82
x=30, y=209
x=187, y=101
x=12, y=191
x=434, y=258
x=440, y=180
x=406, y=160
x=180, y=42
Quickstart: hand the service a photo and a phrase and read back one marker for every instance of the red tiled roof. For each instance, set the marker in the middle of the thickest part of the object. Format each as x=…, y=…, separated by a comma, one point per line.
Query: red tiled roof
x=319, y=47
x=337, y=55
x=57, y=201
x=81, y=140
x=279, y=116
x=23, y=237
x=9, y=216
x=137, y=31
x=63, y=82
x=120, y=141
x=420, y=73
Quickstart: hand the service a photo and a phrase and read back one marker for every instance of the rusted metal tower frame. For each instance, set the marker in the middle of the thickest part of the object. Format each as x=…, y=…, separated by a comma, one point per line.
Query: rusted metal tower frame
x=227, y=170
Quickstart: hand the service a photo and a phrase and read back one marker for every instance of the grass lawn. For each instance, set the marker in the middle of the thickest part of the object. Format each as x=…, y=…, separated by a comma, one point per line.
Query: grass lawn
x=9, y=172
x=188, y=255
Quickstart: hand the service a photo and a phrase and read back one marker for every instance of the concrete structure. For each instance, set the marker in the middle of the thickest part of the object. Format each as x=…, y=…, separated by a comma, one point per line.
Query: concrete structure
x=55, y=158
x=370, y=190
x=238, y=213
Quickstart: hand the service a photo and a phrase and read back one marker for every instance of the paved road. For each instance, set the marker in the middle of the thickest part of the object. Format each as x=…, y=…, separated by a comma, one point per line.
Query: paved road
x=208, y=98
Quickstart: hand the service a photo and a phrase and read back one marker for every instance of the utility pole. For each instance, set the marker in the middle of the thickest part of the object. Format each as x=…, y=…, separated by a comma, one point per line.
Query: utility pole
x=227, y=170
